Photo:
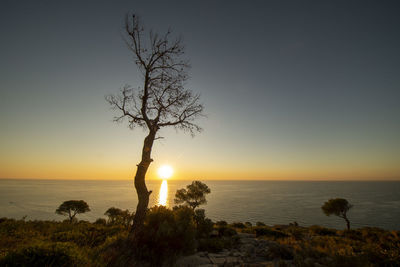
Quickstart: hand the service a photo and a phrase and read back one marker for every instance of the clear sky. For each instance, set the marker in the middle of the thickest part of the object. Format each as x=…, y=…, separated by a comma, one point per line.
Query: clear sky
x=292, y=89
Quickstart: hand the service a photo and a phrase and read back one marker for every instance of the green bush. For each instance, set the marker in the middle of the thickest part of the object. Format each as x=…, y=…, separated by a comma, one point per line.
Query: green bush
x=45, y=254
x=166, y=234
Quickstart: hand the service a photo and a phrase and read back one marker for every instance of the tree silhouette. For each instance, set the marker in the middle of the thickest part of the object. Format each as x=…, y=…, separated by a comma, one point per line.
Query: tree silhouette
x=194, y=195
x=113, y=214
x=118, y=216
x=72, y=208
x=338, y=207
x=162, y=101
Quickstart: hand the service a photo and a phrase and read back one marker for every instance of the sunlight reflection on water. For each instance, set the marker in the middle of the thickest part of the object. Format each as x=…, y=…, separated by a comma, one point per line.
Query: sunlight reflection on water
x=162, y=198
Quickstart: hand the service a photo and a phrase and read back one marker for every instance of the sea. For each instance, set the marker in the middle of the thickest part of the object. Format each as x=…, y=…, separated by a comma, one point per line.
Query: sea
x=375, y=203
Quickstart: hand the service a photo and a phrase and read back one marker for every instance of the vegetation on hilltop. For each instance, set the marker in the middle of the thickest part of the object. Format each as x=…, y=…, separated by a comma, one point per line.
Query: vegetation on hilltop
x=170, y=233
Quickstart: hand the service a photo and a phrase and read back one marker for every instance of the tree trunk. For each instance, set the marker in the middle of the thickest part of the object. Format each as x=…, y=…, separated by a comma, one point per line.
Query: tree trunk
x=347, y=222
x=140, y=185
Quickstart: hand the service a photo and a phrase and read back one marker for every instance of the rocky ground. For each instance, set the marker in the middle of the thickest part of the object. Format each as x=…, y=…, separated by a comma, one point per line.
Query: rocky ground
x=251, y=252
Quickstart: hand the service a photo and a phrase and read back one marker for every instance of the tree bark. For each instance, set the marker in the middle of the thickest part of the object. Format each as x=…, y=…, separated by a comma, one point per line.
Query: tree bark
x=140, y=185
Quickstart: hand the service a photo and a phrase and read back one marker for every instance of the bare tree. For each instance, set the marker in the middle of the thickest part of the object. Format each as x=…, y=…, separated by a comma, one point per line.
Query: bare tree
x=162, y=101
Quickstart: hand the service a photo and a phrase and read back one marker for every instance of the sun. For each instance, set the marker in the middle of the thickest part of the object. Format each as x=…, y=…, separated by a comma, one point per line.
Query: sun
x=165, y=171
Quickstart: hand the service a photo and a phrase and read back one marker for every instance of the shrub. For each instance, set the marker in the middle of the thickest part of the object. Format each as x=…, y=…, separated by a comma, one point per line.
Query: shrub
x=217, y=244
x=319, y=230
x=352, y=261
x=166, y=234
x=277, y=251
x=118, y=216
x=84, y=236
x=211, y=245
x=238, y=225
x=248, y=224
x=296, y=232
x=204, y=226
x=353, y=234
x=260, y=224
x=101, y=221
x=264, y=231
x=55, y=254
x=226, y=231
x=221, y=223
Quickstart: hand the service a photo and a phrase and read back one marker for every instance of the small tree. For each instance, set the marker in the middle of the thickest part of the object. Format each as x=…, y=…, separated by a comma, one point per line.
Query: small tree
x=118, y=216
x=194, y=195
x=72, y=207
x=113, y=214
x=338, y=207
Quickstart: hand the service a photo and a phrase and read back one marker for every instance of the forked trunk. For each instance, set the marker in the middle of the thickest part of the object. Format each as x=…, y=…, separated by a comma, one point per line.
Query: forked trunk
x=140, y=185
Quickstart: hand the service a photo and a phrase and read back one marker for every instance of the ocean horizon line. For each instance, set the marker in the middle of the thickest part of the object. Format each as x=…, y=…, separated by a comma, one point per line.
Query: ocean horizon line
x=222, y=180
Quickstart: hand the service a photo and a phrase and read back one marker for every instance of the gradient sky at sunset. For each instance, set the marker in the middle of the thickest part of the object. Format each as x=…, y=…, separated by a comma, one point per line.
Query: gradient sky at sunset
x=292, y=89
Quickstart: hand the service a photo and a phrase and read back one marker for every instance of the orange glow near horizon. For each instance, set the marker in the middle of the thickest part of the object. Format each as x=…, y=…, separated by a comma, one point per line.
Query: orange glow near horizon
x=76, y=168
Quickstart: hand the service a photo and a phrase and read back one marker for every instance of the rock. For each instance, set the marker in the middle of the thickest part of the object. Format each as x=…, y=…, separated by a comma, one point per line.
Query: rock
x=218, y=261
x=247, y=248
x=192, y=260
x=202, y=253
x=232, y=260
x=218, y=255
x=236, y=254
x=265, y=243
x=249, y=241
x=259, y=264
x=251, y=252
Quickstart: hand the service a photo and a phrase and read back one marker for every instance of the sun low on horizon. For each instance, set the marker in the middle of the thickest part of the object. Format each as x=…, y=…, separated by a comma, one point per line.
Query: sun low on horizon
x=165, y=171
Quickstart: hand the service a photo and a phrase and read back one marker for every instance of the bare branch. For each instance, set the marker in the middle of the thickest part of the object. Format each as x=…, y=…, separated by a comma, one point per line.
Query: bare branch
x=126, y=104
x=163, y=101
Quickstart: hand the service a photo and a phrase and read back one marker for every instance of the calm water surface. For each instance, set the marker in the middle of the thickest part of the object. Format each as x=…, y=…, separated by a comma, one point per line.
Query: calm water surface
x=272, y=202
